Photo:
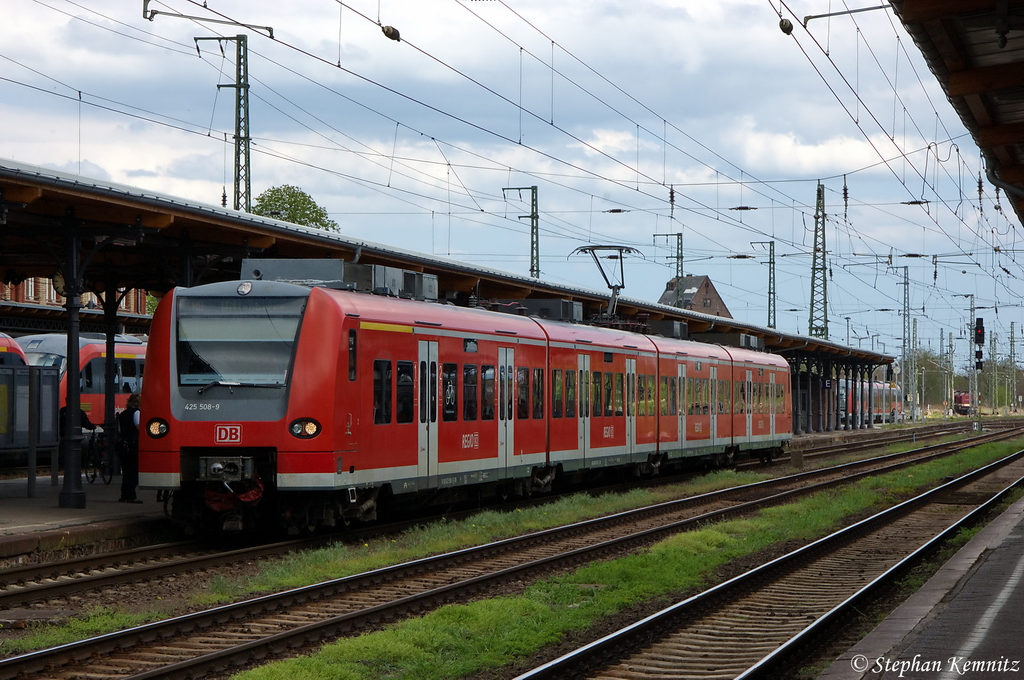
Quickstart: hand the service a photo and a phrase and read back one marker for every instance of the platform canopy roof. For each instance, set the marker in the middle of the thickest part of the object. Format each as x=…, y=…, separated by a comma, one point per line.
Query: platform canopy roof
x=136, y=238
x=975, y=48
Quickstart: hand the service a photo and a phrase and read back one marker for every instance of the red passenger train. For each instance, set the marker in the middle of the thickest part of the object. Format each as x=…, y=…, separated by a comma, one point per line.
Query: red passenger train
x=270, y=402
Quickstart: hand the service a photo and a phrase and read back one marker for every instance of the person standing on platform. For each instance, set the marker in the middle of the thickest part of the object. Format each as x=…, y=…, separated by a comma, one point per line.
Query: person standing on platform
x=128, y=449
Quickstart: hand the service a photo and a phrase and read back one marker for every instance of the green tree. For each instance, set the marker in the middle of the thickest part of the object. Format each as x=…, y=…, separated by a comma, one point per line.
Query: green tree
x=294, y=205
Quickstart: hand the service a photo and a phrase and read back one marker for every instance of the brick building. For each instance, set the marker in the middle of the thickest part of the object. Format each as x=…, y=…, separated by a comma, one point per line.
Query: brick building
x=40, y=291
x=695, y=293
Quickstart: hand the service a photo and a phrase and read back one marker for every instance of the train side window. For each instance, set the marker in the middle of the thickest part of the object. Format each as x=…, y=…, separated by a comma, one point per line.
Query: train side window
x=502, y=386
x=585, y=393
x=469, y=384
x=691, y=397
x=596, y=397
x=381, y=392
x=128, y=380
x=423, y=391
x=664, y=395
x=522, y=393
x=556, y=393
x=608, y=381
x=538, y=393
x=351, y=355
x=433, y=391
x=705, y=395
x=651, y=386
x=618, y=394
x=92, y=376
x=641, y=394
x=570, y=394
x=404, y=391
x=723, y=397
x=487, y=393
x=630, y=394
x=672, y=396
x=450, y=388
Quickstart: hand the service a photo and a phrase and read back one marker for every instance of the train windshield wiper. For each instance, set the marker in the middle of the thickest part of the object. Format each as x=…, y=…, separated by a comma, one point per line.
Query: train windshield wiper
x=230, y=384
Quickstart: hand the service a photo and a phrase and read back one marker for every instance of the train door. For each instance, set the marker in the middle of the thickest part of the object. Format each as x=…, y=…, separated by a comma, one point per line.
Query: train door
x=427, y=459
x=713, y=405
x=772, y=403
x=583, y=440
x=506, y=410
x=630, y=410
x=682, y=401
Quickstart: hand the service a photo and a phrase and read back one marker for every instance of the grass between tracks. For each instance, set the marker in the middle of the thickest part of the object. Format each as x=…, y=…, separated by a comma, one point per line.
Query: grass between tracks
x=459, y=640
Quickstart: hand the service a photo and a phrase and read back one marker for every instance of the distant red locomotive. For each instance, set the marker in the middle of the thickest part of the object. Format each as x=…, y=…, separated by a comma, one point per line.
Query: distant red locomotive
x=962, y=402
x=270, y=402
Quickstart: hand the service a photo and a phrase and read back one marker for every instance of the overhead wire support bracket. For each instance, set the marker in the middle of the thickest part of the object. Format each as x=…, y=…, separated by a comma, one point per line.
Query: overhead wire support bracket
x=849, y=11
x=150, y=14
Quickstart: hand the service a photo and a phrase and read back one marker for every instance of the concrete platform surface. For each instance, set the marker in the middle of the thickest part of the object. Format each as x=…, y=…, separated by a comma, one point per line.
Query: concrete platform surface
x=39, y=524
x=967, y=621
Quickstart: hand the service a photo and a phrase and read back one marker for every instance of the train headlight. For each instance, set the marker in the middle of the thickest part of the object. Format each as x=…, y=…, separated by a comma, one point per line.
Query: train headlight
x=304, y=428
x=157, y=427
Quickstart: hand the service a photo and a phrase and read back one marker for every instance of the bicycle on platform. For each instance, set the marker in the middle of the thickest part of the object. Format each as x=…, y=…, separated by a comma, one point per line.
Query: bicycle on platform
x=96, y=460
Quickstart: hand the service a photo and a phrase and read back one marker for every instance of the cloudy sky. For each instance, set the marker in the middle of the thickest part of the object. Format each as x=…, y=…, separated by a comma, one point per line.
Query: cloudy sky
x=634, y=118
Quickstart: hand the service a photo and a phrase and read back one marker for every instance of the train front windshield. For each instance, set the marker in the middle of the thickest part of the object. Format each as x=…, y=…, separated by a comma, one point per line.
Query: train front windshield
x=243, y=341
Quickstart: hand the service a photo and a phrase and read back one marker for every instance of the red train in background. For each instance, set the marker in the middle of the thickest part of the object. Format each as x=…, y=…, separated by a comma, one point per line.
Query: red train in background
x=50, y=349
x=886, y=401
x=272, y=403
x=11, y=353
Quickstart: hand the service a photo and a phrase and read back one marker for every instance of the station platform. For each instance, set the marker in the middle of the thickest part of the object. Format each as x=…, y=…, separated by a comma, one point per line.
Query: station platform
x=38, y=526
x=966, y=621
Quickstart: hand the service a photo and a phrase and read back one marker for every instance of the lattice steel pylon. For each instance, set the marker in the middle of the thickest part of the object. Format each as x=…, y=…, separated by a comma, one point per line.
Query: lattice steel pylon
x=771, y=280
x=1013, y=368
x=534, y=218
x=242, y=189
x=818, y=325
x=678, y=257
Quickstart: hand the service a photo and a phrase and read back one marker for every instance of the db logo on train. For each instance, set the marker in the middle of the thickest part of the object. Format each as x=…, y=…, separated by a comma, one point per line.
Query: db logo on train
x=227, y=434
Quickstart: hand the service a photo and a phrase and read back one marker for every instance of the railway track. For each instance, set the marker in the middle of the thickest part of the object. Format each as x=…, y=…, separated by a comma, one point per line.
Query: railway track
x=44, y=582
x=231, y=635
x=757, y=624
x=848, y=447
